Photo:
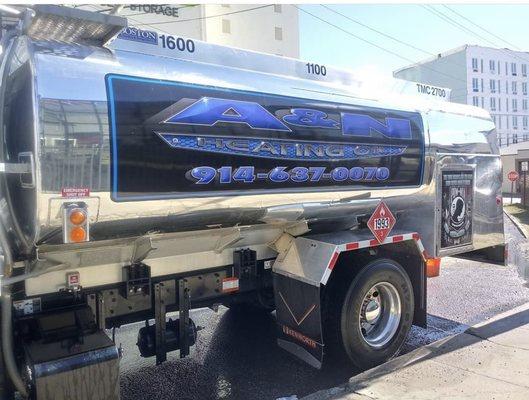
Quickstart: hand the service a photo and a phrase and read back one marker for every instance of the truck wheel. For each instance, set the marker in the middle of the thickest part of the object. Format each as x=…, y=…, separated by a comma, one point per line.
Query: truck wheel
x=7, y=391
x=370, y=316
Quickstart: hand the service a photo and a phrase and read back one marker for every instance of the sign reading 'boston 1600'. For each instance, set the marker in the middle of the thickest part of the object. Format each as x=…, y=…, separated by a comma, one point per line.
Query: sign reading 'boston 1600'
x=171, y=139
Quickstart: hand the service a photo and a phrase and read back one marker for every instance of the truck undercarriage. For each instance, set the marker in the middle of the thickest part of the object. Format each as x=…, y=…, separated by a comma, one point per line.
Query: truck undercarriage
x=213, y=179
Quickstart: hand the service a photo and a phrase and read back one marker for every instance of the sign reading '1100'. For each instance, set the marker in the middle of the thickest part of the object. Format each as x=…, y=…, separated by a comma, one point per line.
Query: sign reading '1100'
x=172, y=139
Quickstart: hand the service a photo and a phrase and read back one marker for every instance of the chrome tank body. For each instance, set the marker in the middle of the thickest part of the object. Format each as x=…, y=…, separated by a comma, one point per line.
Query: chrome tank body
x=57, y=110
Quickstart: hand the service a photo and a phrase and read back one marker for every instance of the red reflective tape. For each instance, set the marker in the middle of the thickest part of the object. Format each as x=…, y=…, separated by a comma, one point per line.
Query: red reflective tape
x=334, y=258
x=415, y=236
x=398, y=238
x=352, y=246
x=373, y=242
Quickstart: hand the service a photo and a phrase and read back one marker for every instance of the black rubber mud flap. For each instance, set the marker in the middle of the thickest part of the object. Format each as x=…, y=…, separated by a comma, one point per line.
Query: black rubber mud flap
x=299, y=319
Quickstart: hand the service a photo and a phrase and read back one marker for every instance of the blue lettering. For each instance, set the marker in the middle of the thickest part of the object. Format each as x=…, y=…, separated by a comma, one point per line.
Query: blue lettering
x=363, y=125
x=310, y=118
x=209, y=111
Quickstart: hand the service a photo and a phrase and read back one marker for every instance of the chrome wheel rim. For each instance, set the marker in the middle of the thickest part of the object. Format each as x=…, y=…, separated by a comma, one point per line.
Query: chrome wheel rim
x=380, y=314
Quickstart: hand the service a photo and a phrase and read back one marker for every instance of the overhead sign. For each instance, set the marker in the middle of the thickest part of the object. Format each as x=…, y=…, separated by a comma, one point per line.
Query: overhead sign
x=525, y=166
x=381, y=222
x=513, y=176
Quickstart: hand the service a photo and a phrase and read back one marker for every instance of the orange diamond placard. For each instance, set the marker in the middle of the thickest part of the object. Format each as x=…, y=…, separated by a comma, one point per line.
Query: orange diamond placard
x=381, y=222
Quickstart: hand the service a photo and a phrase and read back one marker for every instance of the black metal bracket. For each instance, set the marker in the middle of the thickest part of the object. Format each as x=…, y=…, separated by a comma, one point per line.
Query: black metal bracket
x=183, y=307
x=245, y=263
x=159, y=315
x=101, y=317
x=137, y=278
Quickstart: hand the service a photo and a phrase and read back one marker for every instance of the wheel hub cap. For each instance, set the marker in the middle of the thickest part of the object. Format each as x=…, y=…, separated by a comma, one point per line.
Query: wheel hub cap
x=380, y=314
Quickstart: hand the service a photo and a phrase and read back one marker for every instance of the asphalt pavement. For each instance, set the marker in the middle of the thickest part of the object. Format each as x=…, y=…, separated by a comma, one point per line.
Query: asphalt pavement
x=237, y=358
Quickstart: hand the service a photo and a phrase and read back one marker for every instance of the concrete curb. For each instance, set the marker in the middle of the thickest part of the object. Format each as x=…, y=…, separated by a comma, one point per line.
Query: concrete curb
x=509, y=330
x=517, y=225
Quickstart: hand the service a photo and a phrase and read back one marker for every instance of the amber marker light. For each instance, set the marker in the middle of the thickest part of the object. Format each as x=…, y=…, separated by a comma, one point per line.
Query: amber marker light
x=77, y=217
x=76, y=227
x=77, y=235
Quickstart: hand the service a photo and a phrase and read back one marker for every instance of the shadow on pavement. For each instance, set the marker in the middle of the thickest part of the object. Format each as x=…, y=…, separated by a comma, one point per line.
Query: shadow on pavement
x=473, y=335
x=242, y=361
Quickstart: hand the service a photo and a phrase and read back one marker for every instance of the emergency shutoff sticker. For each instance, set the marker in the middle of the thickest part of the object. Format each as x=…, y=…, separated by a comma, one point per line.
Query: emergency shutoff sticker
x=381, y=222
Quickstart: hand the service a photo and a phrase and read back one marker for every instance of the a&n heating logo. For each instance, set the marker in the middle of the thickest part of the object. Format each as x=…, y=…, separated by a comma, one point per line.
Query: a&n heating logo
x=210, y=111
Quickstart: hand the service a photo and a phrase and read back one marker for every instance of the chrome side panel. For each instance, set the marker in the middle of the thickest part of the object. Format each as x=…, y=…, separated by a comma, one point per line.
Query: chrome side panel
x=20, y=120
x=70, y=139
x=487, y=213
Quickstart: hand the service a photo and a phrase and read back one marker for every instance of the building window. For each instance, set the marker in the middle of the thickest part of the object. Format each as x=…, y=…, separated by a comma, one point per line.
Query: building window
x=506, y=70
x=493, y=103
x=492, y=85
x=499, y=121
x=499, y=70
x=226, y=26
x=507, y=105
x=524, y=122
x=524, y=88
x=279, y=33
x=513, y=69
x=507, y=87
x=475, y=64
x=482, y=102
x=515, y=137
x=492, y=66
x=524, y=104
x=514, y=105
x=499, y=86
x=506, y=122
x=481, y=62
x=514, y=122
x=475, y=101
x=514, y=87
x=524, y=69
x=499, y=104
x=277, y=8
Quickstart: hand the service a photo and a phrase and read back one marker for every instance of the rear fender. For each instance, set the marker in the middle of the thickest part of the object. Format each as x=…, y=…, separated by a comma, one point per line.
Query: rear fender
x=302, y=272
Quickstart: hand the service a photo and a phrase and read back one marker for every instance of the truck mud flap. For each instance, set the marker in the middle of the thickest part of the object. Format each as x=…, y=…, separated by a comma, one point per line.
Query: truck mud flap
x=299, y=319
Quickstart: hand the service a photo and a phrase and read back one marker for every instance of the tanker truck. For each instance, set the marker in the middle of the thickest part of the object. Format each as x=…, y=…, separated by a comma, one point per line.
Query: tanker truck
x=144, y=174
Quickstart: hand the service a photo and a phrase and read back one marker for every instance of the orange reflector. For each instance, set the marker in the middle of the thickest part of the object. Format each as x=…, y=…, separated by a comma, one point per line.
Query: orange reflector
x=77, y=217
x=433, y=266
x=77, y=234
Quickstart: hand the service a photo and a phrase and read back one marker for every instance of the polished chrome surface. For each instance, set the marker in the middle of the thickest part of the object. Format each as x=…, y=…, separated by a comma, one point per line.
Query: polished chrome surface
x=307, y=258
x=66, y=127
x=51, y=22
x=379, y=316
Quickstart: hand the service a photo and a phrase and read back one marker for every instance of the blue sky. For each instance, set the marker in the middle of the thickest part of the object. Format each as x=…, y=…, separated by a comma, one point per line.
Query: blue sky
x=410, y=23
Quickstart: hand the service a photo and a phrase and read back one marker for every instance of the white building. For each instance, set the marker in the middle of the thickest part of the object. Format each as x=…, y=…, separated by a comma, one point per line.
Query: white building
x=490, y=78
x=272, y=28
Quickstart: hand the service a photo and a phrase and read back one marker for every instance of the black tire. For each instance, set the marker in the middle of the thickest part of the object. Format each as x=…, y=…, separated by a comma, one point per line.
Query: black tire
x=7, y=391
x=343, y=333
